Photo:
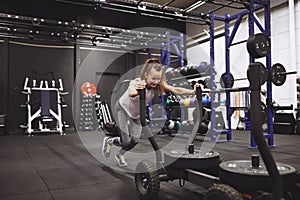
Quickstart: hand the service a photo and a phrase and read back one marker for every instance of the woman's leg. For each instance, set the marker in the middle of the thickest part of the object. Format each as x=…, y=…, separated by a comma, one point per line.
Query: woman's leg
x=134, y=135
x=121, y=119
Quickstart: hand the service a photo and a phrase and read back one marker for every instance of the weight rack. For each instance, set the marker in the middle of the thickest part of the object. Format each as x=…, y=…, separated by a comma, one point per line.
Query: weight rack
x=252, y=20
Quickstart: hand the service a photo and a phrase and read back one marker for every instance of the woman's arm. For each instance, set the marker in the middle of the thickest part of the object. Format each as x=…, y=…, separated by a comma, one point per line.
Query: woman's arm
x=180, y=90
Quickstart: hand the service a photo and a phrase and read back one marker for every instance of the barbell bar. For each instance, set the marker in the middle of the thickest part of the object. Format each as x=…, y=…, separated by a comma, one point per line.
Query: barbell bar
x=277, y=74
x=227, y=81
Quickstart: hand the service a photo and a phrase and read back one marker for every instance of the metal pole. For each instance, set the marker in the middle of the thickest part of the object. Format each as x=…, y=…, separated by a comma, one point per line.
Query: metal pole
x=269, y=82
x=212, y=80
x=251, y=60
x=227, y=63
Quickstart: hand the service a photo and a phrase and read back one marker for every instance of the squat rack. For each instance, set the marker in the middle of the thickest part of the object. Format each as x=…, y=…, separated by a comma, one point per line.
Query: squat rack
x=254, y=5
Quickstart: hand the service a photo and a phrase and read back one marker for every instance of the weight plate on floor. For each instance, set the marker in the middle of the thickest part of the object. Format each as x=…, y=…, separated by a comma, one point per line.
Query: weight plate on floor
x=258, y=45
x=198, y=160
x=240, y=174
x=277, y=77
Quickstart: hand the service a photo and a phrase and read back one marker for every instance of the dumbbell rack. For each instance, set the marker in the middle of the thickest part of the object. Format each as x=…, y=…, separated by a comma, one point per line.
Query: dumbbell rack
x=87, y=121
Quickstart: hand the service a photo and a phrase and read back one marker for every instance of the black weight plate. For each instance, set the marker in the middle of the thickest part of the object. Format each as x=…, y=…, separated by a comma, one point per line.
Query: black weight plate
x=198, y=160
x=277, y=78
x=240, y=174
x=225, y=81
x=258, y=45
x=263, y=72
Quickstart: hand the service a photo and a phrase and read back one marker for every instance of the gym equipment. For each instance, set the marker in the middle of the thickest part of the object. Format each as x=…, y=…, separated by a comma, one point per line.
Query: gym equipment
x=253, y=175
x=232, y=180
x=178, y=164
x=104, y=117
x=278, y=74
x=263, y=112
x=227, y=81
x=45, y=114
x=172, y=126
x=258, y=45
x=205, y=118
x=278, y=182
x=88, y=89
x=187, y=72
x=87, y=120
x=284, y=123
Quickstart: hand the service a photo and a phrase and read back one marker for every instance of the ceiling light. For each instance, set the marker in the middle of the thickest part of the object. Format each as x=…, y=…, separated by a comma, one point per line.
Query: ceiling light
x=195, y=5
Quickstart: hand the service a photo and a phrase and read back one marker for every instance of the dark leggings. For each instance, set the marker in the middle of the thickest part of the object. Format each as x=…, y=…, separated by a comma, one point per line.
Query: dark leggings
x=130, y=129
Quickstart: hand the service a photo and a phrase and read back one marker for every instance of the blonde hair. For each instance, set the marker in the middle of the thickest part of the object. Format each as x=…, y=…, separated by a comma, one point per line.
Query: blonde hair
x=153, y=63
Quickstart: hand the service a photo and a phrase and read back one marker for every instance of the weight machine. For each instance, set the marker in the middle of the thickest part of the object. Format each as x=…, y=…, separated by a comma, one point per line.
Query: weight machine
x=44, y=115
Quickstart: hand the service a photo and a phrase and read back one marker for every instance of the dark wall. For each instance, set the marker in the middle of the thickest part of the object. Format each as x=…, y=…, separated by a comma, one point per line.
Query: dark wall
x=3, y=76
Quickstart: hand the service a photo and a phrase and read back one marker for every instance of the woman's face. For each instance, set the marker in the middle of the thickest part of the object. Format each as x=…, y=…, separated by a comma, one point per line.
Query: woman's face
x=153, y=78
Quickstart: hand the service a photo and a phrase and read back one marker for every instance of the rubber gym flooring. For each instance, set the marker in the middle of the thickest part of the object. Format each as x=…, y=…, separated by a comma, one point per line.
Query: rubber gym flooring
x=51, y=166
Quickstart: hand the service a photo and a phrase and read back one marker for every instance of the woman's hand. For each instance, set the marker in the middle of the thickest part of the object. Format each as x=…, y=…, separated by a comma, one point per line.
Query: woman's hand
x=139, y=84
x=198, y=85
x=135, y=85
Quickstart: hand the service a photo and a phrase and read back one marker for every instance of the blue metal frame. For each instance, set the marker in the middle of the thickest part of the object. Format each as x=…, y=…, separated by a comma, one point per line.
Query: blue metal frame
x=267, y=31
x=263, y=4
x=175, y=43
x=212, y=80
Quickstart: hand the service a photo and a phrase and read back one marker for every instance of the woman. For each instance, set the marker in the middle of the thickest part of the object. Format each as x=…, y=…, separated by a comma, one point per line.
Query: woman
x=127, y=107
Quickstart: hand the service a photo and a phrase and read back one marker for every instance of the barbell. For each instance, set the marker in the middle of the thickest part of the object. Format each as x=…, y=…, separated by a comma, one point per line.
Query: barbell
x=277, y=75
x=227, y=79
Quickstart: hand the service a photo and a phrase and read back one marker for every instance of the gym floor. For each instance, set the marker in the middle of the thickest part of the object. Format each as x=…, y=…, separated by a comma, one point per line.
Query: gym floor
x=50, y=166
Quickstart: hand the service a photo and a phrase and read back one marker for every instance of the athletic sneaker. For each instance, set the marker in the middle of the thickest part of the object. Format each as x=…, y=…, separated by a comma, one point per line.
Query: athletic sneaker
x=121, y=160
x=106, y=147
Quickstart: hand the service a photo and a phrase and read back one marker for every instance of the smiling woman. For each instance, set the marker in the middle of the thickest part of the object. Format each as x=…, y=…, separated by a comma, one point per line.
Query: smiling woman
x=127, y=107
